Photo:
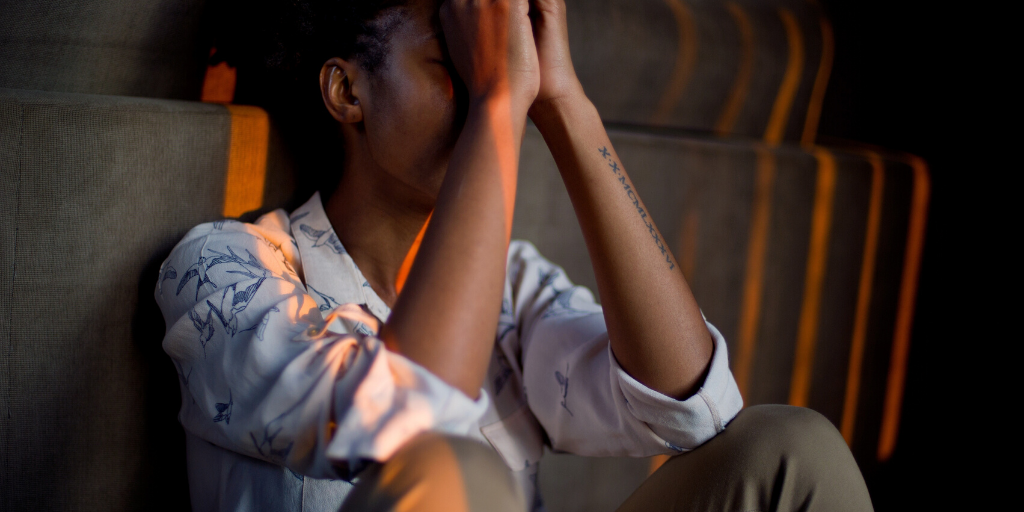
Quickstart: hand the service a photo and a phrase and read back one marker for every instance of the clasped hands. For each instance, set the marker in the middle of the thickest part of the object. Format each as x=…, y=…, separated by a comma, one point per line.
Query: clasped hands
x=511, y=50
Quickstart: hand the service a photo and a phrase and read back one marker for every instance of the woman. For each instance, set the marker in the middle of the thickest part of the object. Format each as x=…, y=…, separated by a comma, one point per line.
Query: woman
x=305, y=371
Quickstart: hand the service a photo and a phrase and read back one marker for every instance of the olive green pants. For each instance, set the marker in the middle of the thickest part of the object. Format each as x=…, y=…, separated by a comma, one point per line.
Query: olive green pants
x=770, y=457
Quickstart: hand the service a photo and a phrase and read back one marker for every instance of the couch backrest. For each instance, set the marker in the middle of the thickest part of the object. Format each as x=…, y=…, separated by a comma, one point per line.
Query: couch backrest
x=736, y=67
x=152, y=48
x=804, y=256
x=94, y=192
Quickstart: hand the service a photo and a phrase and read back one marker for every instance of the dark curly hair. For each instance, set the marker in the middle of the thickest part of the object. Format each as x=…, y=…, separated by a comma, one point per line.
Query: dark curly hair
x=278, y=48
x=289, y=37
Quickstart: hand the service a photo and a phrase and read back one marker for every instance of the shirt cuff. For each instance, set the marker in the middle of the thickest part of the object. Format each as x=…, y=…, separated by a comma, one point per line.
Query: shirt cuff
x=686, y=424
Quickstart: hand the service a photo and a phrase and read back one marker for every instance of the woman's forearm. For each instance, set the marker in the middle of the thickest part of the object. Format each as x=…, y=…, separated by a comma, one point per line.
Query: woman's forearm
x=447, y=314
x=656, y=329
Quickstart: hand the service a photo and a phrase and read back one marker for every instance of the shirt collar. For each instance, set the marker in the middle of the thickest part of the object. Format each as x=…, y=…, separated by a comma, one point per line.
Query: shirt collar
x=331, y=276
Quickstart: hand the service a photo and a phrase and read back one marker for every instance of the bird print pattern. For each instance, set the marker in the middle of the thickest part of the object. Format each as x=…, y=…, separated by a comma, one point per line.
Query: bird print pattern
x=197, y=269
x=205, y=327
x=322, y=238
x=563, y=384
x=325, y=301
x=168, y=274
x=224, y=410
x=231, y=307
x=244, y=334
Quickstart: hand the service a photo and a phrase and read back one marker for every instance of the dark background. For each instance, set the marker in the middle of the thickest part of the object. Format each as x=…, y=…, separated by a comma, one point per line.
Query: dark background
x=913, y=77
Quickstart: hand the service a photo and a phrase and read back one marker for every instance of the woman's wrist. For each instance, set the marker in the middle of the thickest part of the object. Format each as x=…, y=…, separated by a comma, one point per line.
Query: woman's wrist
x=559, y=111
x=499, y=101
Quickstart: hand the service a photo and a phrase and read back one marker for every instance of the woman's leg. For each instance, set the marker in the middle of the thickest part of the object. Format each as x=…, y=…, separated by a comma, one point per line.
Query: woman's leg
x=434, y=473
x=771, y=457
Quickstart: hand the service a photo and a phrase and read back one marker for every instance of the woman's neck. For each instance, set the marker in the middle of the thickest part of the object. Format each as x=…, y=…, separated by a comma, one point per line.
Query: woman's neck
x=377, y=218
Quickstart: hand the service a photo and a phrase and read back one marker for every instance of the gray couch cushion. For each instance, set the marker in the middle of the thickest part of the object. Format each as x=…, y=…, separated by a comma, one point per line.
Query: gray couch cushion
x=95, y=192
x=704, y=66
x=703, y=194
x=154, y=48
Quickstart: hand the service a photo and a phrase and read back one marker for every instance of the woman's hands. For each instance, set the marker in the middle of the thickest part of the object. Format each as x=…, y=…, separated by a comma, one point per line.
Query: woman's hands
x=558, y=79
x=492, y=47
x=515, y=46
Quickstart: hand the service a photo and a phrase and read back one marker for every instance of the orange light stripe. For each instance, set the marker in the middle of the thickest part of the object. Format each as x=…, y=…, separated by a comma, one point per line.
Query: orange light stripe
x=410, y=257
x=247, y=160
x=867, y=276
x=740, y=87
x=753, y=283
x=790, y=79
x=686, y=58
x=817, y=258
x=219, y=82
x=656, y=462
x=820, y=84
x=905, y=313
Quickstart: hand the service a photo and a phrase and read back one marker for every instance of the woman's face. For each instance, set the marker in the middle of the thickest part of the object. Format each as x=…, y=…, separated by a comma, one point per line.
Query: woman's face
x=411, y=116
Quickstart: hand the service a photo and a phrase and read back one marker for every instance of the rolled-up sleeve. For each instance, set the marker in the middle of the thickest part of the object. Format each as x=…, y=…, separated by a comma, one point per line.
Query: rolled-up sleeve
x=584, y=400
x=685, y=424
x=264, y=372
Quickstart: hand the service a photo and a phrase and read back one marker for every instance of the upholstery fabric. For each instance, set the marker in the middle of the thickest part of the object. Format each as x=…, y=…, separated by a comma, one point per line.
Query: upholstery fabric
x=155, y=48
x=679, y=64
x=88, y=399
x=701, y=193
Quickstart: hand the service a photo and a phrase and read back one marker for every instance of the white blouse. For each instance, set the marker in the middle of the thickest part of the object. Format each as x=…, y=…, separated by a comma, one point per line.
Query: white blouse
x=287, y=393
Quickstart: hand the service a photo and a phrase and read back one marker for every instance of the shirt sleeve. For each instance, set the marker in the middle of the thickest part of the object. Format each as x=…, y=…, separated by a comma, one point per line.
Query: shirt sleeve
x=264, y=372
x=586, y=403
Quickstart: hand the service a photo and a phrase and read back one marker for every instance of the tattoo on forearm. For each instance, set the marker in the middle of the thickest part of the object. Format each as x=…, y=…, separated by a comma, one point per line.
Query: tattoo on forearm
x=636, y=204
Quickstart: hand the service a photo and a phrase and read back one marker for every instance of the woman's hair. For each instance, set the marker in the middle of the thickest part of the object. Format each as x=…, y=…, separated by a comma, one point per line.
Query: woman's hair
x=289, y=38
x=278, y=48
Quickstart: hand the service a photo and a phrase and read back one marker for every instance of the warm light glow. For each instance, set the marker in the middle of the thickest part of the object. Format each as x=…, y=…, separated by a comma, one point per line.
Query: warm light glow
x=247, y=160
x=820, y=84
x=867, y=276
x=508, y=162
x=740, y=86
x=410, y=257
x=443, y=489
x=817, y=258
x=790, y=80
x=753, y=282
x=219, y=83
x=686, y=58
x=905, y=311
x=656, y=462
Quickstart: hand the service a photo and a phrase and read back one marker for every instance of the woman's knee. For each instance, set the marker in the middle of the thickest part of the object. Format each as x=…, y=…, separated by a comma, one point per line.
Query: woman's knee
x=438, y=472
x=431, y=454
x=805, y=449
x=787, y=431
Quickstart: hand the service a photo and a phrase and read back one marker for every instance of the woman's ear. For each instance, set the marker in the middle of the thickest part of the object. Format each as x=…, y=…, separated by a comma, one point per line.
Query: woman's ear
x=337, y=77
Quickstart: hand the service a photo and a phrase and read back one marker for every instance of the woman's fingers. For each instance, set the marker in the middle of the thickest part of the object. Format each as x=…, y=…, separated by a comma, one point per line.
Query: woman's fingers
x=557, y=75
x=492, y=47
x=523, y=52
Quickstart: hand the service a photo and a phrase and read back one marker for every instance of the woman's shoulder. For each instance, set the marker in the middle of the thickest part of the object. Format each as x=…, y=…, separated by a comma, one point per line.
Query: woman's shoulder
x=265, y=244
